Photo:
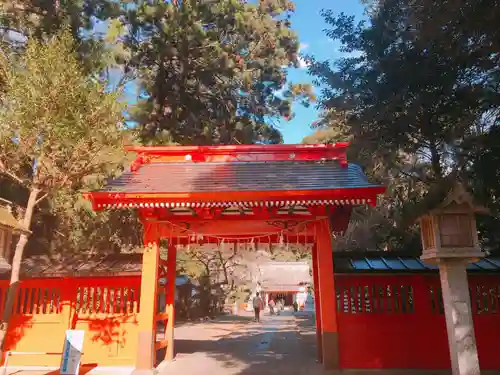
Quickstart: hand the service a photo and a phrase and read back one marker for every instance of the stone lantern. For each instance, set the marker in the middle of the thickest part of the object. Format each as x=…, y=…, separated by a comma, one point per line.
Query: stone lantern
x=449, y=231
x=8, y=226
x=450, y=241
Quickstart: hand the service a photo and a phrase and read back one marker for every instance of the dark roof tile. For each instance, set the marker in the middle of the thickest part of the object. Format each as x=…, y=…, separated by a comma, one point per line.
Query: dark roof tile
x=225, y=177
x=387, y=262
x=81, y=266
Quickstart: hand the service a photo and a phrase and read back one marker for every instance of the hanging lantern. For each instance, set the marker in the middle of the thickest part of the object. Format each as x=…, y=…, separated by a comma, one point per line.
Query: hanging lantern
x=8, y=226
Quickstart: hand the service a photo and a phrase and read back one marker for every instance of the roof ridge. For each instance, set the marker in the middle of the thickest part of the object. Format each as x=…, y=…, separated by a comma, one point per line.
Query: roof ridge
x=243, y=162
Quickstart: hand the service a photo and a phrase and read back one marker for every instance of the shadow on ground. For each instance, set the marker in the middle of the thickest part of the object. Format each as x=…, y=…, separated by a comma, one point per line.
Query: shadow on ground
x=242, y=347
x=229, y=319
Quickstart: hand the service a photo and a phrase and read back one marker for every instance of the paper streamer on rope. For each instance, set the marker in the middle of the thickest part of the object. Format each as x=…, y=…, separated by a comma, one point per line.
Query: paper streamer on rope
x=195, y=237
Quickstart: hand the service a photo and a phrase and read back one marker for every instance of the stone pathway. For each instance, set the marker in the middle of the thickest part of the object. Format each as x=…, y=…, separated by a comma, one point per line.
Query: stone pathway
x=238, y=346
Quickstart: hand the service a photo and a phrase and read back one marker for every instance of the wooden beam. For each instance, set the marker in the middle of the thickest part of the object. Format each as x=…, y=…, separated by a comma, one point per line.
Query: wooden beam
x=255, y=213
x=339, y=218
x=237, y=229
x=350, y=195
x=306, y=238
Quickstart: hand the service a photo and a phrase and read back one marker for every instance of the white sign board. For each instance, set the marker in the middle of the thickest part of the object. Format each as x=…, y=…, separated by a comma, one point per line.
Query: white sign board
x=72, y=352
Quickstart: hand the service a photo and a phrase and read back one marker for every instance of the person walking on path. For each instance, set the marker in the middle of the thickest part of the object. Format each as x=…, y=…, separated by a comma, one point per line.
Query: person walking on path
x=278, y=307
x=258, y=305
x=272, y=305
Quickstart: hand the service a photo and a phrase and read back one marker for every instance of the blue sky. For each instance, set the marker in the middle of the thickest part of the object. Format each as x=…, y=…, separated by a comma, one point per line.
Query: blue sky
x=309, y=25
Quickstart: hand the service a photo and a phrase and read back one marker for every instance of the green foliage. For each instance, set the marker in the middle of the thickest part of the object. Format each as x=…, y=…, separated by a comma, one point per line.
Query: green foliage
x=484, y=173
x=417, y=91
x=187, y=264
x=56, y=125
x=209, y=71
x=60, y=132
x=22, y=19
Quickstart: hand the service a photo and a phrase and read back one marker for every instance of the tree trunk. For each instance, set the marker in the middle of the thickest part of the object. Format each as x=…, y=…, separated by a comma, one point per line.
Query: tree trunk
x=16, y=266
x=435, y=161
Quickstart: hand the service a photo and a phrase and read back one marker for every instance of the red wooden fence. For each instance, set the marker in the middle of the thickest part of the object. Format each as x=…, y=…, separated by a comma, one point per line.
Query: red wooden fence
x=385, y=321
x=397, y=321
x=106, y=308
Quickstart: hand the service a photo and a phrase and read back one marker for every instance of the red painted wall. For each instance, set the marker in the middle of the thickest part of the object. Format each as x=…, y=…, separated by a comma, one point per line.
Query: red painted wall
x=397, y=321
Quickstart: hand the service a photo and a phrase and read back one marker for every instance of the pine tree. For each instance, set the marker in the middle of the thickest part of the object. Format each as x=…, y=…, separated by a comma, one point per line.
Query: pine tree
x=209, y=71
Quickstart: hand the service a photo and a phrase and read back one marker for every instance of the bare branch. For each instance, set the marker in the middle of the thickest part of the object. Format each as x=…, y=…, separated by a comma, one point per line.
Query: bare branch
x=41, y=198
x=4, y=171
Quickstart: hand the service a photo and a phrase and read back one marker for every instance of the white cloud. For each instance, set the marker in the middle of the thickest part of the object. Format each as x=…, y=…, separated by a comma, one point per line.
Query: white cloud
x=279, y=93
x=303, y=63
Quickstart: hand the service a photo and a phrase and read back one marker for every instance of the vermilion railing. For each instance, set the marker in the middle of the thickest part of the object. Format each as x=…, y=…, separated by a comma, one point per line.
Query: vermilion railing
x=106, y=308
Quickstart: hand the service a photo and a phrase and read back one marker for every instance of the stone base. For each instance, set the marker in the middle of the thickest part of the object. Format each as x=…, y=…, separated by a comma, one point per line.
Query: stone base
x=330, y=346
x=404, y=372
x=466, y=255
x=319, y=345
x=145, y=372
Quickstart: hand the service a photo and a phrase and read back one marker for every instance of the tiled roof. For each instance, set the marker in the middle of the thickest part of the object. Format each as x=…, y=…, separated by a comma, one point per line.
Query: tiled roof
x=84, y=266
x=392, y=262
x=81, y=266
x=238, y=176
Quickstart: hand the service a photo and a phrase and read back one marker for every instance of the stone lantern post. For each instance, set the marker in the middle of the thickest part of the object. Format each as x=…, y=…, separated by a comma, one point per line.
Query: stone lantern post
x=8, y=226
x=449, y=240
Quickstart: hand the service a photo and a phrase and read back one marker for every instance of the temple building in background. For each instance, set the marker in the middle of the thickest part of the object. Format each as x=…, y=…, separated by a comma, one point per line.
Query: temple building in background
x=288, y=281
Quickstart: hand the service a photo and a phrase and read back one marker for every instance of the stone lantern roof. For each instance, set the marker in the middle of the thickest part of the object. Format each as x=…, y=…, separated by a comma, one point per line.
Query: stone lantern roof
x=459, y=200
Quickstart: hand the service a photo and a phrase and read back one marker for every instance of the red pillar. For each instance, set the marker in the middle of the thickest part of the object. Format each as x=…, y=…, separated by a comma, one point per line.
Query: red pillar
x=145, y=360
x=317, y=304
x=327, y=294
x=170, y=300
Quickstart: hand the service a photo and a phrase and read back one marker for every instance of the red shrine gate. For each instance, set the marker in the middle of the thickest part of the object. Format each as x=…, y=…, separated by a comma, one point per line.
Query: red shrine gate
x=245, y=193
